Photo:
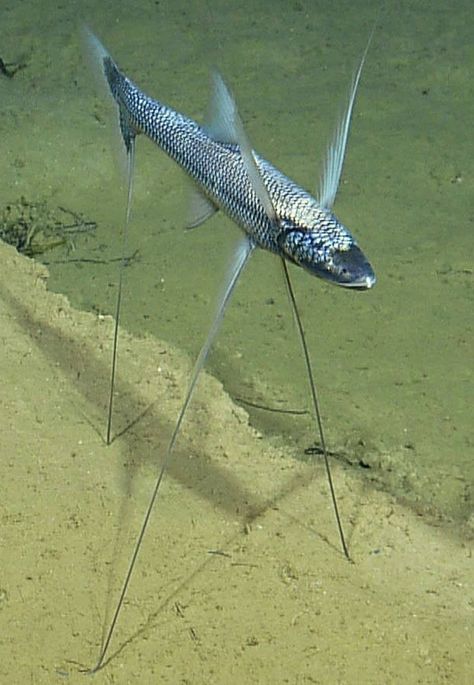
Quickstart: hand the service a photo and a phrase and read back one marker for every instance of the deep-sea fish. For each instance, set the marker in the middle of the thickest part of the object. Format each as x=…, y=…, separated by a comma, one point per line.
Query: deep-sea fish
x=274, y=213
x=298, y=226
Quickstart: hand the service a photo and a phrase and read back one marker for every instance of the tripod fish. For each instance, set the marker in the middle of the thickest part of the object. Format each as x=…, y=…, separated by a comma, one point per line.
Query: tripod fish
x=274, y=213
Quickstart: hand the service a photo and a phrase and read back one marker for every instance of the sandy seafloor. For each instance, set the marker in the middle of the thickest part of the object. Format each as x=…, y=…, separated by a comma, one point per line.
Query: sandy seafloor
x=277, y=603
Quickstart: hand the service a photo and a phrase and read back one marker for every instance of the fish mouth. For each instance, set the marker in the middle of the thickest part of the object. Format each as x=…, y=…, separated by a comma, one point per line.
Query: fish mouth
x=351, y=269
x=364, y=283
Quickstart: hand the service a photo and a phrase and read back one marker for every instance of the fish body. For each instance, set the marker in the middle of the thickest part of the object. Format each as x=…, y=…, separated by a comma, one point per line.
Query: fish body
x=274, y=213
x=304, y=232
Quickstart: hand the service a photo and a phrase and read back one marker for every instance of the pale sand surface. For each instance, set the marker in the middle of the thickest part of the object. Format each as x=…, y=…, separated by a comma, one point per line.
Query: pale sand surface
x=277, y=604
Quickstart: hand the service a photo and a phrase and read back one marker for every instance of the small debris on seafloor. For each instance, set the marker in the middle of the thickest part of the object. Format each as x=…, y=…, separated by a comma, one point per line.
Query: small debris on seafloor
x=34, y=228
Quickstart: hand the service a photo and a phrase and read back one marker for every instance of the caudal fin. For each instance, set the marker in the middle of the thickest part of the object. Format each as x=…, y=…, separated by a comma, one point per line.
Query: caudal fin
x=111, y=80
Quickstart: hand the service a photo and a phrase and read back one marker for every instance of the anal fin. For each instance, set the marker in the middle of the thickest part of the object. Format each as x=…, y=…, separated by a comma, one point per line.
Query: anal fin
x=200, y=208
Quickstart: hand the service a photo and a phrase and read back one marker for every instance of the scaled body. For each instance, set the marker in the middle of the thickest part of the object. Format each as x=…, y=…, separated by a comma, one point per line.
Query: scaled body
x=304, y=232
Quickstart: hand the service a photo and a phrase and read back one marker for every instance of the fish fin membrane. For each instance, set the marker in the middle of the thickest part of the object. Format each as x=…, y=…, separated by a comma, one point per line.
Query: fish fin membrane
x=201, y=208
x=227, y=123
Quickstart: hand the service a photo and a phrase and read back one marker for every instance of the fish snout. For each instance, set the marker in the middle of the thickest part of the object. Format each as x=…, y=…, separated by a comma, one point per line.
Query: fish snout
x=351, y=269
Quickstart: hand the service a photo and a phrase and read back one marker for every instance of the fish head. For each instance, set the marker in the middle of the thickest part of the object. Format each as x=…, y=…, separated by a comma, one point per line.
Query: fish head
x=347, y=267
x=328, y=251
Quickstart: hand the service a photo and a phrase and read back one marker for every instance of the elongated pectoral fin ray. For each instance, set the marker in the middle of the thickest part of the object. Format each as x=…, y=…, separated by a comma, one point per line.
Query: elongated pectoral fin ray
x=331, y=176
x=315, y=402
x=228, y=126
x=241, y=257
x=242, y=254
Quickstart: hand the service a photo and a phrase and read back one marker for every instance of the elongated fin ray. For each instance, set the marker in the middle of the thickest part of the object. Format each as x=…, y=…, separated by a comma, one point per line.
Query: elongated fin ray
x=231, y=127
x=227, y=127
x=332, y=170
x=98, y=57
x=315, y=403
x=118, y=303
x=242, y=254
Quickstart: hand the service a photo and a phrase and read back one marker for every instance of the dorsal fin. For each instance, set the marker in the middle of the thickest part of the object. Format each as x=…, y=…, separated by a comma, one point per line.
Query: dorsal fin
x=226, y=123
x=225, y=126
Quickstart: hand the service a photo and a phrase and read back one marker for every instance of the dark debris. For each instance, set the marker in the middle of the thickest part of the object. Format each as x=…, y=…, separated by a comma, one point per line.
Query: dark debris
x=34, y=228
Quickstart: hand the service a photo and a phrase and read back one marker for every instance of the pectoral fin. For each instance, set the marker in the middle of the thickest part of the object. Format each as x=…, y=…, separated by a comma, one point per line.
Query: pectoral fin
x=329, y=182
